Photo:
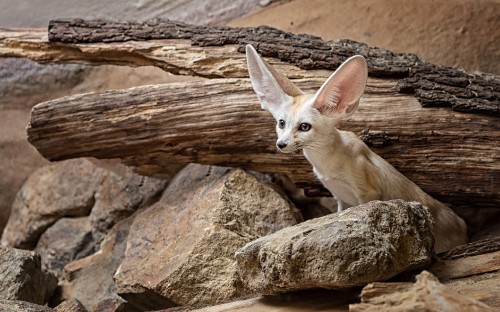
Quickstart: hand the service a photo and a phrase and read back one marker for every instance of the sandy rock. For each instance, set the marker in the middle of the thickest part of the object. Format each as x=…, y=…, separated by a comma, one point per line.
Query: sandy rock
x=22, y=277
x=22, y=306
x=453, y=33
x=180, y=251
x=67, y=240
x=61, y=189
x=90, y=279
x=70, y=305
x=426, y=294
x=367, y=243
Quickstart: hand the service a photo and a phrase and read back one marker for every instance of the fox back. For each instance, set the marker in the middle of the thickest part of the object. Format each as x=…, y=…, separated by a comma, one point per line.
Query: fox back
x=341, y=161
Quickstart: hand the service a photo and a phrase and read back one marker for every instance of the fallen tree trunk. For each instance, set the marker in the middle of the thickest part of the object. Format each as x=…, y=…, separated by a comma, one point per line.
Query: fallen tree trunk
x=219, y=122
x=454, y=156
x=181, y=49
x=433, y=85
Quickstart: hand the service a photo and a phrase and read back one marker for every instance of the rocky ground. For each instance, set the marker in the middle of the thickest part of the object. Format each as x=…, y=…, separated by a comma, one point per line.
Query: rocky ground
x=82, y=237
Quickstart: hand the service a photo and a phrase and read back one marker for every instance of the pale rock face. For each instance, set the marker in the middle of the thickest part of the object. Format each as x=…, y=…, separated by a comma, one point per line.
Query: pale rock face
x=182, y=248
x=366, y=243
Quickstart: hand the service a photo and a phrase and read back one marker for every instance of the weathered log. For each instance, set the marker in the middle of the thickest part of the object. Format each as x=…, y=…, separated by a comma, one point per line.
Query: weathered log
x=426, y=294
x=472, y=270
x=176, y=48
x=475, y=258
x=219, y=122
x=433, y=85
x=481, y=247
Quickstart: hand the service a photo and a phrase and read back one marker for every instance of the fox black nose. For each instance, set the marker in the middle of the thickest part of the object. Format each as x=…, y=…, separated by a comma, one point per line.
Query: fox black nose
x=281, y=145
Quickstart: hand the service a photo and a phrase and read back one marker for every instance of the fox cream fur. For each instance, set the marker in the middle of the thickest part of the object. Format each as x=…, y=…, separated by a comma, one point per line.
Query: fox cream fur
x=341, y=161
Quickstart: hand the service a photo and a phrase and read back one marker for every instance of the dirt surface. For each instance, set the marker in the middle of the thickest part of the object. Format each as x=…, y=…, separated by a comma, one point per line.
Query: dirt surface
x=459, y=33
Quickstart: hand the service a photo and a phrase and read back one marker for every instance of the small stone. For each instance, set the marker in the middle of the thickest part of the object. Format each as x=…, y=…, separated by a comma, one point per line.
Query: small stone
x=113, y=305
x=22, y=277
x=67, y=240
x=70, y=305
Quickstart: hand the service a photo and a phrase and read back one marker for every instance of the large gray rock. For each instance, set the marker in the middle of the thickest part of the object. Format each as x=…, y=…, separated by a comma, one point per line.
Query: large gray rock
x=180, y=251
x=367, y=243
x=62, y=189
x=22, y=277
x=76, y=188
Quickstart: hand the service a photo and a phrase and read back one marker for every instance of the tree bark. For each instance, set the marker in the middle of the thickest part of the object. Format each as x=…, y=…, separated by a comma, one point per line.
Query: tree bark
x=162, y=43
x=433, y=85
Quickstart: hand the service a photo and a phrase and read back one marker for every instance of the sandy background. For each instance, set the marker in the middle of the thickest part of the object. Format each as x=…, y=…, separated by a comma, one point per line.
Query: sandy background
x=458, y=33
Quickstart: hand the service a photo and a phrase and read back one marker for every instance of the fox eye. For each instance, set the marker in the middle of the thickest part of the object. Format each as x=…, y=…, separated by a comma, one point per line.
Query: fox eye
x=281, y=124
x=304, y=126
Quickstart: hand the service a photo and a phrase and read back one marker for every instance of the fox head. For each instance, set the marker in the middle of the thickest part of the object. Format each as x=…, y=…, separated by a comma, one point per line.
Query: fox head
x=304, y=119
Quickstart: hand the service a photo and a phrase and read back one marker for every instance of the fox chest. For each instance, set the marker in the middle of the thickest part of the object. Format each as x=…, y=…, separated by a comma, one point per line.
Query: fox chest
x=342, y=190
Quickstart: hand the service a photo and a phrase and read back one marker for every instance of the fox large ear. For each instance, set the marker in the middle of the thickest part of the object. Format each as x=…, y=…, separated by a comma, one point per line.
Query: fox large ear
x=272, y=87
x=339, y=95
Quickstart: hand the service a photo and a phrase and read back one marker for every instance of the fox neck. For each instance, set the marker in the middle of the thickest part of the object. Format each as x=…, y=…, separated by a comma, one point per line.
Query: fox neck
x=328, y=145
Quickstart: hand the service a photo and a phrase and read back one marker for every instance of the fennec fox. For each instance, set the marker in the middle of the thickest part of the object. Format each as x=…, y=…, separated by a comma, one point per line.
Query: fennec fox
x=341, y=161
